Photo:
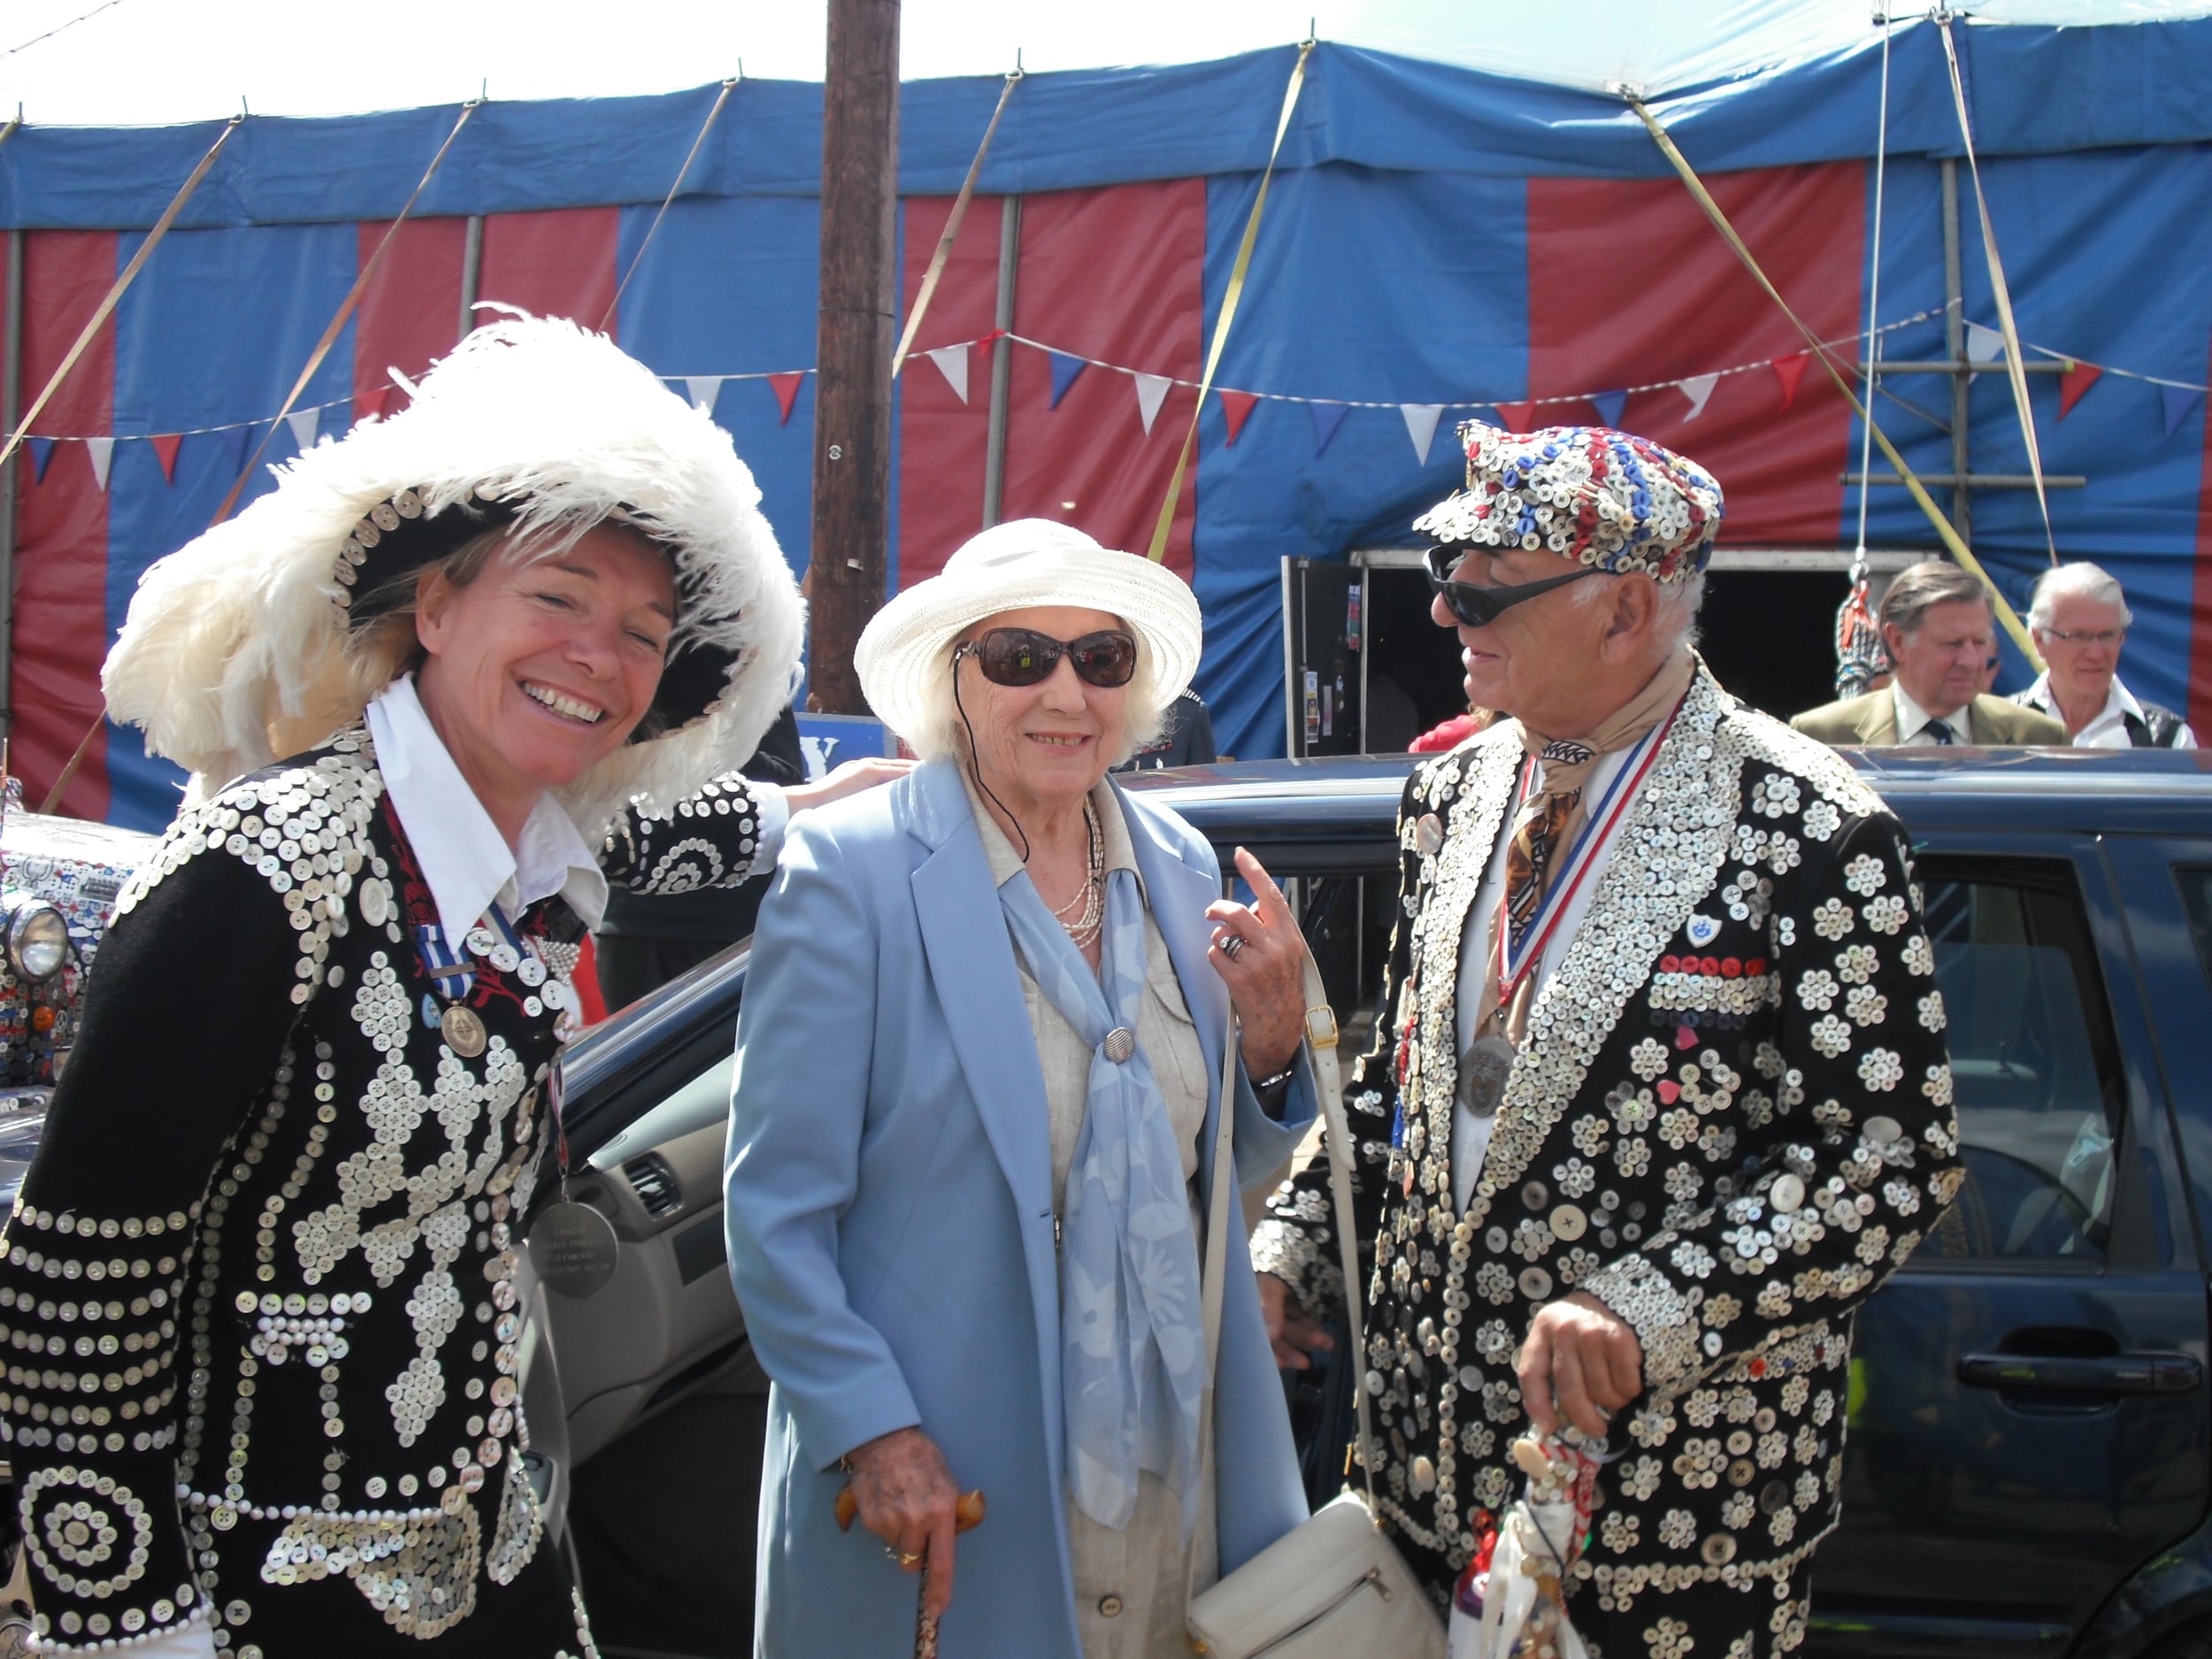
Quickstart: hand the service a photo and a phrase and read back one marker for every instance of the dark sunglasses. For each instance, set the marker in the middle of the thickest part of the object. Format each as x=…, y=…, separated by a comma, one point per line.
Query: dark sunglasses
x=1478, y=607
x=1023, y=657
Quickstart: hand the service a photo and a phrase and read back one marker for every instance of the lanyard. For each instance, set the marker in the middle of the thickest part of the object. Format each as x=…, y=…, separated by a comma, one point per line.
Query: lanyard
x=1595, y=829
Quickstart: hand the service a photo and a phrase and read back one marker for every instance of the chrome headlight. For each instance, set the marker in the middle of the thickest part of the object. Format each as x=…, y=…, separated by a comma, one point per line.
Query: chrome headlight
x=38, y=940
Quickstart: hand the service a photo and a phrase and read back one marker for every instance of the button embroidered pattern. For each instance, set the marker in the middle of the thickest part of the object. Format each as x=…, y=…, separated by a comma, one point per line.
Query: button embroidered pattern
x=1681, y=1136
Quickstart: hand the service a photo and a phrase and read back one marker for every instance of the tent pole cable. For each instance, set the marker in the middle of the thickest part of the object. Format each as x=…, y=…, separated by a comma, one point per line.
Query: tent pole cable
x=1999, y=287
x=1230, y=296
x=652, y=230
x=1873, y=309
x=1822, y=352
x=341, y=316
x=1858, y=636
x=106, y=307
x=11, y=482
x=928, y=290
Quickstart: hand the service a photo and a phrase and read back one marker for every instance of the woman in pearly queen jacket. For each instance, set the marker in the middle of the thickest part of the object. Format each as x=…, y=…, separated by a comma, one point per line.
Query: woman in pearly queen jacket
x=257, y=1298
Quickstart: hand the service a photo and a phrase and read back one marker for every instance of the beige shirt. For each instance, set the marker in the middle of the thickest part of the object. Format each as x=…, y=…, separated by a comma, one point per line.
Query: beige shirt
x=1138, y=1571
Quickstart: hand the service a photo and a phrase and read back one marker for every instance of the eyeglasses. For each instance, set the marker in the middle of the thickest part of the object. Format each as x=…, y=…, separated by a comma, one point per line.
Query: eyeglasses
x=2074, y=636
x=1023, y=657
x=1478, y=607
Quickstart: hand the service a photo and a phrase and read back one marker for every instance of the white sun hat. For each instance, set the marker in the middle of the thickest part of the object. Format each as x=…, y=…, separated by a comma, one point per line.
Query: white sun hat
x=902, y=652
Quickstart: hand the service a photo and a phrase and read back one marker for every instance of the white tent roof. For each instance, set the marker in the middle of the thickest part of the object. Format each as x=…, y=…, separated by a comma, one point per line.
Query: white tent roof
x=122, y=62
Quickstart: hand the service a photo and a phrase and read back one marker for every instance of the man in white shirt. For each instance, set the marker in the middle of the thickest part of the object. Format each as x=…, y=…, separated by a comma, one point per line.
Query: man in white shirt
x=2079, y=619
x=1941, y=633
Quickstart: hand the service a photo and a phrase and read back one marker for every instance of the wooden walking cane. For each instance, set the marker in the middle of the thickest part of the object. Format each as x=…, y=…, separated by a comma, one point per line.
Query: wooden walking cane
x=967, y=1516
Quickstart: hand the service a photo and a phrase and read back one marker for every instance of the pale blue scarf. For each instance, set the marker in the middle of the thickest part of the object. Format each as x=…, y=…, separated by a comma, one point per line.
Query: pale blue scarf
x=1132, y=1358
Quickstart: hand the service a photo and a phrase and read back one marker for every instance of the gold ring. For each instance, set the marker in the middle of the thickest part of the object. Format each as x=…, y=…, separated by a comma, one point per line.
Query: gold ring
x=905, y=1558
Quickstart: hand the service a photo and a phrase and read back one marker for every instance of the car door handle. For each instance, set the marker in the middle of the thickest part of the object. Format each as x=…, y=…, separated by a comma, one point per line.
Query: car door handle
x=2069, y=1373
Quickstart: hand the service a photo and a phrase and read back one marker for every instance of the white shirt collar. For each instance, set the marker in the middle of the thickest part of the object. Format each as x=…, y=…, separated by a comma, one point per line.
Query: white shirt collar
x=2120, y=706
x=1912, y=718
x=463, y=858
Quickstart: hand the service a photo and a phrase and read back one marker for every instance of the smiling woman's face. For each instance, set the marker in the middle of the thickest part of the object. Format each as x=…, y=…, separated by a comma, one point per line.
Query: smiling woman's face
x=1044, y=747
x=539, y=669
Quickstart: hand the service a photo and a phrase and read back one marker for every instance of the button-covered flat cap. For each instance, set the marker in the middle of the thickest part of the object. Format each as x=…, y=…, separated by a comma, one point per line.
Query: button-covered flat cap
x=1607, y=498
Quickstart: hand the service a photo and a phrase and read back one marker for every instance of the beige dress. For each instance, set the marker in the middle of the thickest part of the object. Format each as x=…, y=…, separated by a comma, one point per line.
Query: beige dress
x=1129, y=1585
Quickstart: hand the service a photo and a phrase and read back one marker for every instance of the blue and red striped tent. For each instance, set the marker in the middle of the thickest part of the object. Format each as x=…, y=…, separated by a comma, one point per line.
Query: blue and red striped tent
x=1438, y=242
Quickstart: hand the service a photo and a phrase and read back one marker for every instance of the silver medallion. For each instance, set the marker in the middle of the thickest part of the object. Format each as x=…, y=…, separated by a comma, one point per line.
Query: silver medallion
x=573, y=1247
x=1120, y=1043
x=1483, y=1071
x=463, y=1030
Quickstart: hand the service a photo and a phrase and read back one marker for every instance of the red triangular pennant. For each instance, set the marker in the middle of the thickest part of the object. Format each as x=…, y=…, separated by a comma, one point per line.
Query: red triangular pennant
x=2077, y=379
x=1236, y=409
x=1516, y=416
x=165, y=446
x=785, y=388
x=1790, y=371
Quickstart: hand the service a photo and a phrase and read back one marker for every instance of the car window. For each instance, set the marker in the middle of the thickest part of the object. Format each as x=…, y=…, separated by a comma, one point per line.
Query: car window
x=2034, y=1066
x=2195, y=881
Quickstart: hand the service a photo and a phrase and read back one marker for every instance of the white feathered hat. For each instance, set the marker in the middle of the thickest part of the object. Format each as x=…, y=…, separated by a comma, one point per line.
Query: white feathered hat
x=531, y=423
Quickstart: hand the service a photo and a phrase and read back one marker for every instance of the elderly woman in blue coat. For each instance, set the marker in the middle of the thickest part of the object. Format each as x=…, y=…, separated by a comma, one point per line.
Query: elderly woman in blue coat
x=972, y=1143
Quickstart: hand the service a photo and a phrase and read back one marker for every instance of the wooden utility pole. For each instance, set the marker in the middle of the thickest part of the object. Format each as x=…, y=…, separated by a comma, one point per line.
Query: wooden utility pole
x=856, y=333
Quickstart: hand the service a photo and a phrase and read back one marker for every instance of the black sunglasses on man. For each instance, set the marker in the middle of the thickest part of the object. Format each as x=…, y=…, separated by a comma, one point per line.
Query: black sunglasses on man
x=1478, y=607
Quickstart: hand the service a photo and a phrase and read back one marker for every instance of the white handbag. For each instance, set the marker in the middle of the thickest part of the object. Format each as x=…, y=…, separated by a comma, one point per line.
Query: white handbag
x=1335, y=1586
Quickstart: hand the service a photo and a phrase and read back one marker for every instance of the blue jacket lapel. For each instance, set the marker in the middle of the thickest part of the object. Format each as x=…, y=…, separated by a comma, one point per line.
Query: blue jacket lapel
x=972, y=959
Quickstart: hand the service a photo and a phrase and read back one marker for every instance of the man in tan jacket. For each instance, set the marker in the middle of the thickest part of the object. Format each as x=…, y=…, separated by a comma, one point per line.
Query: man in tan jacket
x=1937, y=623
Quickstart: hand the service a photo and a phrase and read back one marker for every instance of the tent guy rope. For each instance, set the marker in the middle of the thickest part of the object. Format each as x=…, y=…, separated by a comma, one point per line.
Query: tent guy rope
x=1999, y=287
x=345, y=313
x=682, y=172
x=952, y=227
x=1230, y=296
x=1951, y=539
x=106, y=307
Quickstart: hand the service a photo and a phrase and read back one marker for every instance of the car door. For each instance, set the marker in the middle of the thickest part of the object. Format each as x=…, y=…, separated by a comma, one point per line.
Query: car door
x=2026, y=1421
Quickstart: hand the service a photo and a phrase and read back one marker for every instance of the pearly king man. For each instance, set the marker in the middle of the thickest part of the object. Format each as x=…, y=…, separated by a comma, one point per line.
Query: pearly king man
x=1660, y=1095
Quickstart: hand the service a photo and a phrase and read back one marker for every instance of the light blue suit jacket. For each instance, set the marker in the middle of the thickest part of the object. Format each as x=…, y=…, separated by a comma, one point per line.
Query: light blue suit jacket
x=890, y=1218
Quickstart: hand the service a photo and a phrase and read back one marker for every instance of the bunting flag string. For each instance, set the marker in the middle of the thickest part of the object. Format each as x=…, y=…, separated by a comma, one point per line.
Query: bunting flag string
x=101, y=451
x=2178, y=399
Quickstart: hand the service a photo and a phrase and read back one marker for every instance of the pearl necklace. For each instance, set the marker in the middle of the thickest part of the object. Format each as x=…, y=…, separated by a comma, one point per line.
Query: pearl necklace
x=1092, y=895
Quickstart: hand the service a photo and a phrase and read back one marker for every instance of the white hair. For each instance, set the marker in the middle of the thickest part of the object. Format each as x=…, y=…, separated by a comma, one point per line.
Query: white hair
x=2079, y=581
x=1679, y=605
x=1145, y=710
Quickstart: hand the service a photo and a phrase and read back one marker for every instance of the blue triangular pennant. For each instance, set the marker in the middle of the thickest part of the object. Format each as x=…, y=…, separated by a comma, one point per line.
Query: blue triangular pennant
x=1609, y=406
x=1065, y=366
x=1326, y=418
x=2179, y=403
x=43, y=453
x=234, y=441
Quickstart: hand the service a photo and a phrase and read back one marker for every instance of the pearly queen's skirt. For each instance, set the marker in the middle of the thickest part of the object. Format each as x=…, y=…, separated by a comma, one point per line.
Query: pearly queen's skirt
x=412, y=1582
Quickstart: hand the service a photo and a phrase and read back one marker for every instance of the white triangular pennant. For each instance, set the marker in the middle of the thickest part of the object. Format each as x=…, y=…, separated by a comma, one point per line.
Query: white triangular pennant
x=1698, y=389
x=1984, y=344
x=702, y=389
x=1421, y=426
x=303, y=423
x=103, y=453
x=1151, y=389
x=952, y=363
